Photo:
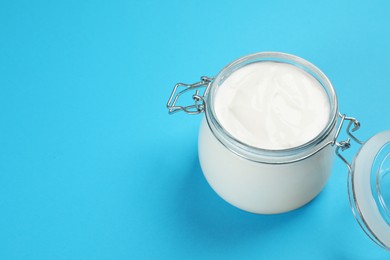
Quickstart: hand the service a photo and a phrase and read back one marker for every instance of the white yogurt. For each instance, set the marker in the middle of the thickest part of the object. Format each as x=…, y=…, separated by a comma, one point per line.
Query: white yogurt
x=272, y=105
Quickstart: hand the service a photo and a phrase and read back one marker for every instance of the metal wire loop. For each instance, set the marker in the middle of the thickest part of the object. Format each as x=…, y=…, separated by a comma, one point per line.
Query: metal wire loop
x=346, y=144
x=199, y=99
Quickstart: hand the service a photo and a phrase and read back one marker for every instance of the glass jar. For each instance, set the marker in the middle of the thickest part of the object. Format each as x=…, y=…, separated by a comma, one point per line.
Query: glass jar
x=267, y=181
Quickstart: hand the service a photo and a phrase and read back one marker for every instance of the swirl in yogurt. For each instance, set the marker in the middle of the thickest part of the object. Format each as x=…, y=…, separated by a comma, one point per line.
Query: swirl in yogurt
x=272, y=105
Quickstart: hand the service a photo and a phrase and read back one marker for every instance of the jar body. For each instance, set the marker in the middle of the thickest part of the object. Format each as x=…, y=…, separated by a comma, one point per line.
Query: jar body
x=260, y=187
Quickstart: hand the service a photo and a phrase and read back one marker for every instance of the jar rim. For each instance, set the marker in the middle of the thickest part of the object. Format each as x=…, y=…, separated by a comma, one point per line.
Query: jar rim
x=257, y=154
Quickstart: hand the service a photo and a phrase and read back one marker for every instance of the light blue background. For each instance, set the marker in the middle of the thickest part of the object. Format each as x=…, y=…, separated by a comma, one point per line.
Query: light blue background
x=92, y=166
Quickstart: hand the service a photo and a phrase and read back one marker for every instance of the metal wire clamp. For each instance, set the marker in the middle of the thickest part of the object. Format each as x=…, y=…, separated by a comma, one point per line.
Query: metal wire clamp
x=346, y=144
x=199, y=99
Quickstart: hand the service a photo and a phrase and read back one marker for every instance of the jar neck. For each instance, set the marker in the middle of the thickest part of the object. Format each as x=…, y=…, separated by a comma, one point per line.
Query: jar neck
x=280, y=156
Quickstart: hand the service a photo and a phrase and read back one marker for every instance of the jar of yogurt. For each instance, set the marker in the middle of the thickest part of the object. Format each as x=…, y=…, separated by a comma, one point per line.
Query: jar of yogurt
x=269, y=135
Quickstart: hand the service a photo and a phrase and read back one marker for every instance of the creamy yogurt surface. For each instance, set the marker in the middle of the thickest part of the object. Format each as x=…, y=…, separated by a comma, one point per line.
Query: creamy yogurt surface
x=272, y=105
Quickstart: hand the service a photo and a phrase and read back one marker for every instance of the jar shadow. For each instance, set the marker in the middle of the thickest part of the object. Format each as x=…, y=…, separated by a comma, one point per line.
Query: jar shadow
x=208, y=219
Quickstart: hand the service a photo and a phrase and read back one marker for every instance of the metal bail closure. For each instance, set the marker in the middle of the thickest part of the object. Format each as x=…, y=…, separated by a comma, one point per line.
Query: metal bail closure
x=346, y=144
x=199, y=99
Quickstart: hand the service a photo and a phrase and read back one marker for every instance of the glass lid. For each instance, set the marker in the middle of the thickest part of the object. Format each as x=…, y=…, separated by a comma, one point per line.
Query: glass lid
x=369, y=188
